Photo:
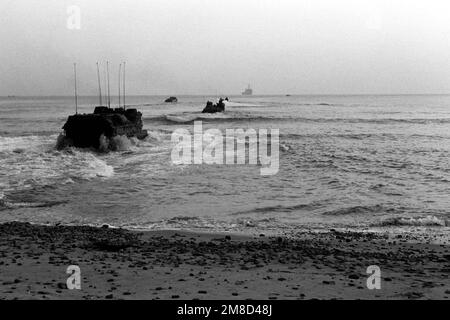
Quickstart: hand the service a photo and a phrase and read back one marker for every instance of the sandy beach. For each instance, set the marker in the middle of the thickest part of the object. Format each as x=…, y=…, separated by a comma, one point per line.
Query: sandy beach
x=121, y=264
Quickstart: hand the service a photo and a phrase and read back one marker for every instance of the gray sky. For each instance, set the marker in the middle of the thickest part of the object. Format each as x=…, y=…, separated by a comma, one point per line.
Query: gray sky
x=204, y=46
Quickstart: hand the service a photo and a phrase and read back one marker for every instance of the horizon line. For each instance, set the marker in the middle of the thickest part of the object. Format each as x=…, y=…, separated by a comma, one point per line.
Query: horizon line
x=236, y=95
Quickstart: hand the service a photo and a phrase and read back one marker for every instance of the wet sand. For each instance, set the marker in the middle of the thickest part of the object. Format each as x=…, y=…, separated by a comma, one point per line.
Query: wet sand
x=121, y=264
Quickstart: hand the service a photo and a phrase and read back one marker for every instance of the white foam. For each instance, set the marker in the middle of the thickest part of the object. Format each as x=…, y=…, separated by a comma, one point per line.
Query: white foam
x=416, y=221
x=21, y=144
x=39, y=164
x=181, y=118
x=240, y=104
x=122, y=143
x=184, y=118
x=155, y=135
x=96, y=168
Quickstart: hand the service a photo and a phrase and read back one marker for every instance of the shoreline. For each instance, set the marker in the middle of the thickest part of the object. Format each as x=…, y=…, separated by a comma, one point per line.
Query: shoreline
x=172, y=264
x=430, y=234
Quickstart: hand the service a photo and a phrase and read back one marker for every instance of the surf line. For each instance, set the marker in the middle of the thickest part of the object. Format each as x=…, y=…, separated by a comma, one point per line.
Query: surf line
x=237, y=146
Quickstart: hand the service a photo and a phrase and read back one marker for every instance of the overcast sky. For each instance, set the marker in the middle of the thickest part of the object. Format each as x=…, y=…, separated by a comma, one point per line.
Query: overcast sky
x=209, y=46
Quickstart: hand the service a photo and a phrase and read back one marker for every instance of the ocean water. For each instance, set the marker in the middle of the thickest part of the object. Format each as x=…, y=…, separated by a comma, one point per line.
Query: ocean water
x=362, y=162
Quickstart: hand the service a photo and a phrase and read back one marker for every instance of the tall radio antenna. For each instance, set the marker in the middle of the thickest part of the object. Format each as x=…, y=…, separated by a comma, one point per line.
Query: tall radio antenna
x=99, y=86
x=76, y=94
x=124, y=106
x=109, y=94
x=106, y=85
x=120, y=71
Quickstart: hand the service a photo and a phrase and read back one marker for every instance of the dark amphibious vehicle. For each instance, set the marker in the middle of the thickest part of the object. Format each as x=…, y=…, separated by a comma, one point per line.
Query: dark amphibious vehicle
x=97, y=130
x=213, y=108
x=171, y=100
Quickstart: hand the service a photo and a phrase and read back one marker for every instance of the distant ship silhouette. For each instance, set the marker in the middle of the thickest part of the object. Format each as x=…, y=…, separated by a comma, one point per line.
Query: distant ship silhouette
x=248, y=91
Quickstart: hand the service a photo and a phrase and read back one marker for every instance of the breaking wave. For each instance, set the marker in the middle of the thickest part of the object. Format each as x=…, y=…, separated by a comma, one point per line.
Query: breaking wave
x=243, y=117
x=8, y=204
x=361, y=136
x=280, y=208
x=358, y=210
x=189, y=118
x=16, y=205
x=428, y=221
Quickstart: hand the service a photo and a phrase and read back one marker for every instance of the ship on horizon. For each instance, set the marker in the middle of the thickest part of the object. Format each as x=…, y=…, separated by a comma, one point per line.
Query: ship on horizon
x=248, y=91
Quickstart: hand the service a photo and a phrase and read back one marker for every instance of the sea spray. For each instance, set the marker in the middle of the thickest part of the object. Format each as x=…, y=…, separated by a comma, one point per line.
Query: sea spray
x=63, y=142
x=122, y=143
x=104, y=144
x=117, y=143
x=40, y=167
